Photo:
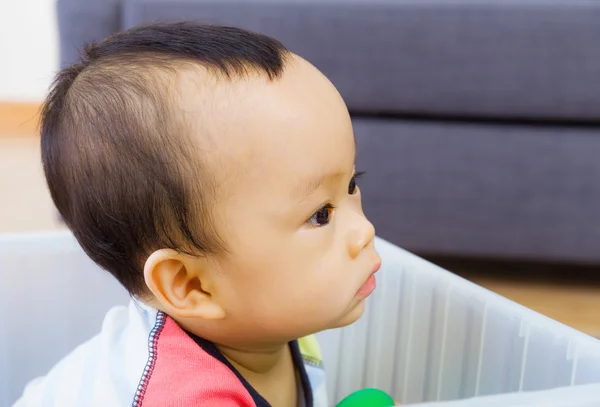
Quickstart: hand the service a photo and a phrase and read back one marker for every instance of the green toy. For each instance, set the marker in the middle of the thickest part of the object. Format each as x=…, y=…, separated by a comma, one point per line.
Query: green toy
x=367, y=398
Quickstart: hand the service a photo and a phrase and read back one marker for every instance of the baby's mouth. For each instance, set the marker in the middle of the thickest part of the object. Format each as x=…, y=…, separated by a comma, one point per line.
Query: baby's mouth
x=369, y=286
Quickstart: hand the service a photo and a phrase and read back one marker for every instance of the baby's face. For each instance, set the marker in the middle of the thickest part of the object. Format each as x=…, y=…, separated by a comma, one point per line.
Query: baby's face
x=300, y=248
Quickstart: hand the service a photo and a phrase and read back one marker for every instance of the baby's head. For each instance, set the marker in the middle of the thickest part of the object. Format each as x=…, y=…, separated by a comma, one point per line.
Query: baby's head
x=212, y=172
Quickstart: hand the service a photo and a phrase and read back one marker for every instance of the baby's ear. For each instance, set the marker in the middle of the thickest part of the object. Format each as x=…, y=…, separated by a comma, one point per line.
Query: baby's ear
x=182, y=285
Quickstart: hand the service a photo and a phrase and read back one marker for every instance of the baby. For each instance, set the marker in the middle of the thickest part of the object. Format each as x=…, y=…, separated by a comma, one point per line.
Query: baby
x=212, y=172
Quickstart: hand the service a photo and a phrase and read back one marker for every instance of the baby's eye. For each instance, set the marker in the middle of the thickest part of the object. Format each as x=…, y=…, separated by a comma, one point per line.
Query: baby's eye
x=322, y=217
x=352, y=188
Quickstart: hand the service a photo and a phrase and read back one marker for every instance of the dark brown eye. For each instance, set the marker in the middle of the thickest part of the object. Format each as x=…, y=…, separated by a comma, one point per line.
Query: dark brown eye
x=322, y=217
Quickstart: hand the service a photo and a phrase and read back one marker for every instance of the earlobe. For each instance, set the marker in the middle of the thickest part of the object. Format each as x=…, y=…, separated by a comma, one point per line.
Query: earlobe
x=182, y=286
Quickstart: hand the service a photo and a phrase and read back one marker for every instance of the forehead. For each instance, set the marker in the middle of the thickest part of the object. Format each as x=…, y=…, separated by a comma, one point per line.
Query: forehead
x=277, y=131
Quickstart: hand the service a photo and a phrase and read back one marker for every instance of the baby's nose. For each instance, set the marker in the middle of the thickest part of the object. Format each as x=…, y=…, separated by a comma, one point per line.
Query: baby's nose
x=361, y=236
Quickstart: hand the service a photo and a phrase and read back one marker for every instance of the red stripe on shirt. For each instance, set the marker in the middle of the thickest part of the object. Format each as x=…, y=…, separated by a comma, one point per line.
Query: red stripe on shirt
x=184, y=375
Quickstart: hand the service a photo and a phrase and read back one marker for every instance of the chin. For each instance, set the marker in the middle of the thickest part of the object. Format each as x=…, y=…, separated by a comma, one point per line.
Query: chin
x=351, y=316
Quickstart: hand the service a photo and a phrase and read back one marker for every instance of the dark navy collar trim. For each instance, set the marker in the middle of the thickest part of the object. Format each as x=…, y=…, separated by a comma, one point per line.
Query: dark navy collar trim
x=259, y=400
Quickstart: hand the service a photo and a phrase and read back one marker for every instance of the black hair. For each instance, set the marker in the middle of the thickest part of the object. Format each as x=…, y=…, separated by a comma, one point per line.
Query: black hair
x=120, y=168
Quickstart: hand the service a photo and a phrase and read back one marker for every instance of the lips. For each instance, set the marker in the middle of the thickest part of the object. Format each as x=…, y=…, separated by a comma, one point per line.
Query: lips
x=369, y=286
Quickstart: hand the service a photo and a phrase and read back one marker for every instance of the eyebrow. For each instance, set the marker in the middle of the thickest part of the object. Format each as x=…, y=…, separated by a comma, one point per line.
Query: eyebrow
x=308, y=187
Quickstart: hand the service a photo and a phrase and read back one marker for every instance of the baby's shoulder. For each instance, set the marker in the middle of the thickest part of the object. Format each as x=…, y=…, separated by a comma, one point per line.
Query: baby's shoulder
x=88, y=375
x=140, y=358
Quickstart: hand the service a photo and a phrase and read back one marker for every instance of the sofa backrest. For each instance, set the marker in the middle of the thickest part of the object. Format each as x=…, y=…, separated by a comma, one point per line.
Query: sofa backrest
x=493, y=59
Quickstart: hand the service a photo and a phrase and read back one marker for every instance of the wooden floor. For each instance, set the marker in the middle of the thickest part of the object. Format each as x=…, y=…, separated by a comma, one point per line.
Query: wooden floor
x=25, y=205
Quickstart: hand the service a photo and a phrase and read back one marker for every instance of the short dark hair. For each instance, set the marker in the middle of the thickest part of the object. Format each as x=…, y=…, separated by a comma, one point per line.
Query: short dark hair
x=119, y=166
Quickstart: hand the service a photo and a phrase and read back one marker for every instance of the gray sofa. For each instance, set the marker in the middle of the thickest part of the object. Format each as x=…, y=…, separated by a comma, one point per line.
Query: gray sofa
x=478, y=122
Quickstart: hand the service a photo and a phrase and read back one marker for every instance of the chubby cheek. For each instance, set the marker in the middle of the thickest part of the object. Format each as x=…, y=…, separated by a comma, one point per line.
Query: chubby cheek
x=291, y=282
x=301, y=295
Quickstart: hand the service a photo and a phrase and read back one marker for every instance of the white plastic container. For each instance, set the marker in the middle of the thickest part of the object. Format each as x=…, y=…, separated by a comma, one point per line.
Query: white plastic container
x=427, y=335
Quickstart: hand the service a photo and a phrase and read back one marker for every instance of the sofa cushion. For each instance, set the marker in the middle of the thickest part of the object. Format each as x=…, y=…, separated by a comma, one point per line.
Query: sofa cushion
x=492, y=59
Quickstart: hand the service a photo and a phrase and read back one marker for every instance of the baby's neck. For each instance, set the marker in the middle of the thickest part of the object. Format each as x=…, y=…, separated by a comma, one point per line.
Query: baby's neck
x=257, y=362
x=270, y=372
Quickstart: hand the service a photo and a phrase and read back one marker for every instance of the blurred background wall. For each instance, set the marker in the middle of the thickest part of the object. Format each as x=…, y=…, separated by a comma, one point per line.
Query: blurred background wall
x=28, y=49
x=28, y=61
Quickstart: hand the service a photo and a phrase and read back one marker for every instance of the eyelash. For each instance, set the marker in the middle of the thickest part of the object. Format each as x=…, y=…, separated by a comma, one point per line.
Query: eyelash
x=357, y=175
x=313, y=220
